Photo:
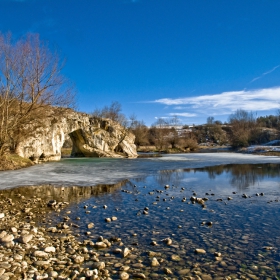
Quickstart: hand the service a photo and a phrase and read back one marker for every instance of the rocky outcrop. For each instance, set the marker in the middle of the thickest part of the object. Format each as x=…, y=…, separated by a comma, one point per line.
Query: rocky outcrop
x=91, y=137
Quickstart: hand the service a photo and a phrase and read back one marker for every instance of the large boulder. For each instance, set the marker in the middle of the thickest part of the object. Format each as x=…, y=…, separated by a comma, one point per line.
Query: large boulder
x=91, y=137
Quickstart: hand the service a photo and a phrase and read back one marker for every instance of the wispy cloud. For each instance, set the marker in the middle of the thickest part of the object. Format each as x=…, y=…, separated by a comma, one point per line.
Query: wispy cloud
x=187, y=115
x=225, y=103
x=265, y=73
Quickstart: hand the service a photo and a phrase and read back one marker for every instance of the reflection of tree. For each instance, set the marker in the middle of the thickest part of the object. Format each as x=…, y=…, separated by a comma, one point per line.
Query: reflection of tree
x=68, y=194
x=163, y=177
x=242, y=176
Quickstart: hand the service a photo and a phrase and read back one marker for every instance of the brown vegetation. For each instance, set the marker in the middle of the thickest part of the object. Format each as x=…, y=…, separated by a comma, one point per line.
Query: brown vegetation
x=31, y=84
x=12, y=162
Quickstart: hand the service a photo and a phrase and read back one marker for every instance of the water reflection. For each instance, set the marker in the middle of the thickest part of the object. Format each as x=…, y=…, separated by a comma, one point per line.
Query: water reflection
x=244, y=175
x=174, y=176
x=240, y=176
x=73, y=194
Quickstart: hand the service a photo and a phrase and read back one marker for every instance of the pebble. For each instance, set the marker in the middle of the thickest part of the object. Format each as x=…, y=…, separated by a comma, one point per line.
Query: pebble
x=26, y=238
x=200, y=251
x=154, y=262
x=124, y=276
x=126, y=252
x=90, y=225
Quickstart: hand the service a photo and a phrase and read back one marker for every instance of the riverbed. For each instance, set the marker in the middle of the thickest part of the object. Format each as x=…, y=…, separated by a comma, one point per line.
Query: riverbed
x=201, y=216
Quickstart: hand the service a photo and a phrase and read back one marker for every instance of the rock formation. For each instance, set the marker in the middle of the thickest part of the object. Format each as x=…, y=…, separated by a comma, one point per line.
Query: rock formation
x=91, y=137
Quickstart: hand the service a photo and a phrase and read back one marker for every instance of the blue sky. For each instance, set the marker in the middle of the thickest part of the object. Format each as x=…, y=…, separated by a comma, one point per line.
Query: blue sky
x=160, y=58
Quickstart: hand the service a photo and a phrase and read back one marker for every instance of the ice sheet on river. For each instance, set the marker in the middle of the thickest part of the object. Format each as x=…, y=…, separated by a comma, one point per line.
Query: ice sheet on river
x=92, y=171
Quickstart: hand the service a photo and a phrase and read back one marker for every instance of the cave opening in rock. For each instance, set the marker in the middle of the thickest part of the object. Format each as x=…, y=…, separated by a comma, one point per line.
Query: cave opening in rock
x=67, y=147
x=118, y=149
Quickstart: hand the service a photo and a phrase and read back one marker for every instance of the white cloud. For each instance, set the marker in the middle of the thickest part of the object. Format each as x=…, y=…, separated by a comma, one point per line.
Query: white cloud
x=265, y=73
x=227, y=102
x=187, y=115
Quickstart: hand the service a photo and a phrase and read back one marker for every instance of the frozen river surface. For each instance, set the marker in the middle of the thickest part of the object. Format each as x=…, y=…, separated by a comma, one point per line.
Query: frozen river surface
x=93, y=171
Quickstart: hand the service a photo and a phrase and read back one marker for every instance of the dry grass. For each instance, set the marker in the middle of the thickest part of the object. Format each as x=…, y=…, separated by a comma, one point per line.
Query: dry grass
x=13, y=162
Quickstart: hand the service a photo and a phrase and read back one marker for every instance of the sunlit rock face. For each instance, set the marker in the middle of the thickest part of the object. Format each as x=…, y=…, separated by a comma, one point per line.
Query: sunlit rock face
x=91, y=137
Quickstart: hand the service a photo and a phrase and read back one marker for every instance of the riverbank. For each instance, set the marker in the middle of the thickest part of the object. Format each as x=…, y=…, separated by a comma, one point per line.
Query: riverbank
x=14, y=162
x=34, y=247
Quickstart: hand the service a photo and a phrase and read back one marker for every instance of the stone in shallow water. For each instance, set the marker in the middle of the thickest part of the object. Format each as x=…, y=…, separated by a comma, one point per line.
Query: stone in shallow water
x=167, y=271
x=184, y=271
x=139, y=275
x=175, y=258
x=154, y=262
x=90, y=225
x=124, y=276
x=200, y=251
x=100, y=245
x=99, y=265
x=126, y=252
x=79, y=259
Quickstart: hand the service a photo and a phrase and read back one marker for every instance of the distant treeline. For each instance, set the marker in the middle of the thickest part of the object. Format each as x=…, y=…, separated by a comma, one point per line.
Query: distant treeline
x=242, y=129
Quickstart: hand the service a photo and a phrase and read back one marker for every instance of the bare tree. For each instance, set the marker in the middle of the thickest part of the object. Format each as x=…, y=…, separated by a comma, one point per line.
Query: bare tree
x=31, y=88
x=244, y=128
x=159, y=133
x=210, y=120
x=112, y=112
x=140, y=130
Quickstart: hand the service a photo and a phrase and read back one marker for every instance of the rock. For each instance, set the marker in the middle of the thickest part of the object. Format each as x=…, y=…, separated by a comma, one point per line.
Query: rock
x=108, y=220
x=90, y=225
x=184, y=271
x=91, y=137
x=200, y=251
x=124, y=276
x=53, y=274
x=42, y=263
x=52, y=203
x=117, y=251
x=2, y=215
x=79, y=259
x=139, y=275
x=26, y=238
x=154, y=262
x=126, y=252
x=167, y=271
x=7, y=238
x=99, y=265
x=41, y=254
x=100, y=245
x=14, y=230
x=175, y=258
x=50, y=249
x=167, y=241
x=124, y=268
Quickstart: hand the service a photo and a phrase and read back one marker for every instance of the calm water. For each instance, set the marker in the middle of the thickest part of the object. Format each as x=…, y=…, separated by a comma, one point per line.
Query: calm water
x=92, y=171
x=246, y=231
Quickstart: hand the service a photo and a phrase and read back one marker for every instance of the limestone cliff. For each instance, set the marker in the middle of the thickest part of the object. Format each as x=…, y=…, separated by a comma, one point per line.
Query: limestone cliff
x=91, y=137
